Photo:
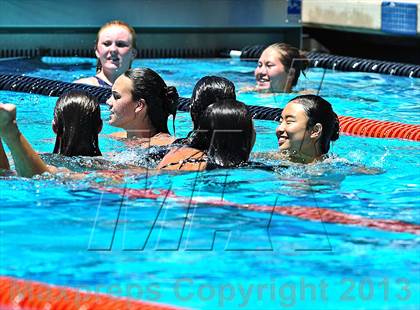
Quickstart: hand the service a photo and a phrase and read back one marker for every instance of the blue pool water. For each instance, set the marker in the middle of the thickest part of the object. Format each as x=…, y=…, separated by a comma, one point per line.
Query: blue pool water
x=64, y=232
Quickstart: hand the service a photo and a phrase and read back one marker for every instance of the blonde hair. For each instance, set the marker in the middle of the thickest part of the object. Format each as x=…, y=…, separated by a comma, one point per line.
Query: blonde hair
x=115, y=23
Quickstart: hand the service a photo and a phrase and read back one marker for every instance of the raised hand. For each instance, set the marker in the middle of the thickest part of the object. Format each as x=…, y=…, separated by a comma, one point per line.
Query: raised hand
x=7, y=118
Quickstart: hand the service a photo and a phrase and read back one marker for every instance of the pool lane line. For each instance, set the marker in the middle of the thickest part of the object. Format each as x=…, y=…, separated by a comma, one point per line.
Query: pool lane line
x=378, y=129
x=315, y=214
x=30, y=295
x=348, y=125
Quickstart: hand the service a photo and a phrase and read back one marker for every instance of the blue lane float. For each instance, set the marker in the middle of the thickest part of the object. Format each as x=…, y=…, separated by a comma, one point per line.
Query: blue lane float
x=342, y=63
x=53, y=88
x=349, y=125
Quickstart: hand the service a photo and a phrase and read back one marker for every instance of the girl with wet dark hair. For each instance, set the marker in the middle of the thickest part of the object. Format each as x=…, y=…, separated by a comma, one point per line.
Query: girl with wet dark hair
x=208, y=90
x=320, y=111
x=224, y=138
x=77, y=123
x=141, y=104
x=307, y=126
x=226, y=133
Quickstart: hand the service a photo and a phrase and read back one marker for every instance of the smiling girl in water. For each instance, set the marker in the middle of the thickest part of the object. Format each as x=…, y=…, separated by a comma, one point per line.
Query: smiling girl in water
x=279, y=68
x=307, y=126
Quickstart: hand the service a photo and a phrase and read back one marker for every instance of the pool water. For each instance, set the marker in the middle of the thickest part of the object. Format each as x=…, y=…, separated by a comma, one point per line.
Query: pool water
x=180, y=245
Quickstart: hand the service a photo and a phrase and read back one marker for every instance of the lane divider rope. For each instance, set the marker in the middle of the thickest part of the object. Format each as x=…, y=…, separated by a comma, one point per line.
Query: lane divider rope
x=306, y=213
x=337, y=62
x=30, y=295
x=348, y=125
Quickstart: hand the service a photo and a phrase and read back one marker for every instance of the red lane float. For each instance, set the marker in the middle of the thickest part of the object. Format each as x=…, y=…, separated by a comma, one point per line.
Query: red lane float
x=378, y=129
x=16, y=294
x=307, y=213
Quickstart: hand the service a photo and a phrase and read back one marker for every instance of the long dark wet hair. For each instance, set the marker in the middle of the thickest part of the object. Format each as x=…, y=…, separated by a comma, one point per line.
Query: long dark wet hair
x=225, y=133
x=208, y=90
x=77, y=123
x=161, y=100
x=319, y=110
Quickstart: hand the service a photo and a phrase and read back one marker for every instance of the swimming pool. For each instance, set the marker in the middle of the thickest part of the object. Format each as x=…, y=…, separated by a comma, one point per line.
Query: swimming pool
x=163, y=248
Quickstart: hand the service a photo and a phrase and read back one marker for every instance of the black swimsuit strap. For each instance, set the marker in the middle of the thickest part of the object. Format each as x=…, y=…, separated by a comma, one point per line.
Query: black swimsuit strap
x=102, y=83
x=189, y=160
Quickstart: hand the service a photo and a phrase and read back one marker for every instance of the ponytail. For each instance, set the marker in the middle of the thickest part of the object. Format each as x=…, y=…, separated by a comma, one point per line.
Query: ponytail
x=172, y=99
x=161, y=100
x=319, y=110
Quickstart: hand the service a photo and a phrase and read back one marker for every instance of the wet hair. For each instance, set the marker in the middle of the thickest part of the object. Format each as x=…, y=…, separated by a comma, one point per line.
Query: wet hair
x=77, y=122
x=291, y=58
x=208, y=90
x=115, y=23
x=161, y=100
x=225, y=133
x=319, y=110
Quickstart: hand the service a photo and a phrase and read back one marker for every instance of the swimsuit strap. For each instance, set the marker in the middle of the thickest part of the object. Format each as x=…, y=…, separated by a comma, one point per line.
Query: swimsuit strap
x=194, y=160
x=102, y=83
x=189, y=160
x=182, y=141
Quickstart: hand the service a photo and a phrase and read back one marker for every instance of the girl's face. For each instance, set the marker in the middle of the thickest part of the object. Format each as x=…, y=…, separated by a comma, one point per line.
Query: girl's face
x=270, y=74
x=114, y=49
x=121, y=103
x=292, y=133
